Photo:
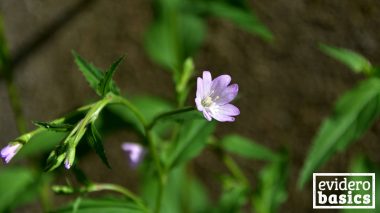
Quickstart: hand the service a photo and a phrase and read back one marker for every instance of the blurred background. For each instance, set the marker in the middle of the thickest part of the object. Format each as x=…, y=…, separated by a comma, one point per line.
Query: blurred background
x=287, y=86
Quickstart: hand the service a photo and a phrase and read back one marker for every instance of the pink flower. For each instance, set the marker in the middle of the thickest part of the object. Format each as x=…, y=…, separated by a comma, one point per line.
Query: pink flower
x=8, y=152
x=135, y=152
x=213, y=97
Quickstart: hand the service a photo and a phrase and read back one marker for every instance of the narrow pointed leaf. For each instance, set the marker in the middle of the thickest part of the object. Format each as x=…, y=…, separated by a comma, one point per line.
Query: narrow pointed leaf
x=245, y=19
x=351, y=59
x=92, y=74
x=247, y=148
x=106, y=85
x=191, y=141
x=354, y=113
x=95, y=141
x=57, y=127
x=55, y=159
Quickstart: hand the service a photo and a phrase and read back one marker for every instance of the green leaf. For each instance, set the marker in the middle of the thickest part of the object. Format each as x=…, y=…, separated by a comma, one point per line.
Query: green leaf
x=149, y=107
x=198, y=201
x=95, y=77
x=186, y=115
x=13, y=182
x=247, y=148
x=56, y=157
x=94, y=139
x=33, y=190
x=376, y=71
x=57, y=127
x=92, y=74
x=234, y=196
x=245, y=19
x=191, y=141
x=173, y=37
x=352, y=60
x=106, y=84
x=100, y=206
x=184, y=193
x=354, y=113
x=192, y=31
x=177, y=115
x=160, y=45
x=271, y=192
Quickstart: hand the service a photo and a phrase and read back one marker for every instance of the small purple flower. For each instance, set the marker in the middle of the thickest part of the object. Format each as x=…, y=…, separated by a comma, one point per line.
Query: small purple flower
x=8, y=152
x=135, y=152
x=67, y=164
x=214, y=96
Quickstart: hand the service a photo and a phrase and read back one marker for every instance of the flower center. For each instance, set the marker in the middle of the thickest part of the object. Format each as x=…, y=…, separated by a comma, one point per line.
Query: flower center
x=206, y=102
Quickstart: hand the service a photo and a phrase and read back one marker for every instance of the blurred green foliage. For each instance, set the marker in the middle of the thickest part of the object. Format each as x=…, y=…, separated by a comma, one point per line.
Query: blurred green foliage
x=356, y=62
x=179, y=27
x=354, y=113
x=361, y=164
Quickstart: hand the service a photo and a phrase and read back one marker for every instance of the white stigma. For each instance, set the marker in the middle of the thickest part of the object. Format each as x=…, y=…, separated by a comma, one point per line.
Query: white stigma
x=207, y=102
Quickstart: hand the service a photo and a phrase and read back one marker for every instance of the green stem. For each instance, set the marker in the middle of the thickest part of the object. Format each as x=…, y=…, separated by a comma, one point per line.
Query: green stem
x=161, y=173
x=15, y=103
x=7, y=73
x=229, y=162
x=151, y=146
x=45, y=196
x=235, y=169
x=135, y=111
x=23, y=139
x=76, y=134
x=167, y=114
x=116, y=188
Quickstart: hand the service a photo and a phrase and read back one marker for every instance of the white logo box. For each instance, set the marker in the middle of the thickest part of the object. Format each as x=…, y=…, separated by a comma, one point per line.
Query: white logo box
x=372, y=175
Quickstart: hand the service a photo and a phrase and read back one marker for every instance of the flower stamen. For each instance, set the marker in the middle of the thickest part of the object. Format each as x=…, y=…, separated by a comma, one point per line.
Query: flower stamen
x=206, y=102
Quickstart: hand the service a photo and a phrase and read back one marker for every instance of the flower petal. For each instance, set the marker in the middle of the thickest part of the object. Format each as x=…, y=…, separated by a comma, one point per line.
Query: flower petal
x=229, y=109
x=198, y=102
x=228, y=94
x=67, y=164
x=223, y=118
x=199, y=93
x=134, y=151
x=207, y=82
x=8, y=152
x=219, y=84
x=207, y=115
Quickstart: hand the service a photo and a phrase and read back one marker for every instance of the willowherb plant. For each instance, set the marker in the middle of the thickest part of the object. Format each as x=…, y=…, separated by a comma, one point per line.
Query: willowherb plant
x=170, y=139
x=170, y=134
